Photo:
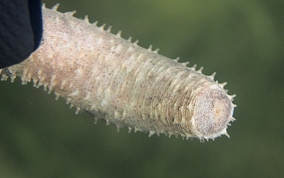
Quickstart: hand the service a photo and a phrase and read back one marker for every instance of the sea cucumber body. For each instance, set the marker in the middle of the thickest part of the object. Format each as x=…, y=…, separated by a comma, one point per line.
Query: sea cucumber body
x=122, y=83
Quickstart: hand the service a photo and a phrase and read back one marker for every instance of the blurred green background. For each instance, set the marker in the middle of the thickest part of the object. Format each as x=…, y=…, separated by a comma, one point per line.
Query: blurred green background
x=241, y=40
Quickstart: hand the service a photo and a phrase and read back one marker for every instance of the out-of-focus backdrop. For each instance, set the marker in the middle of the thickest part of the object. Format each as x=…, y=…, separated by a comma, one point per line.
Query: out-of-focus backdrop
x=241, y=40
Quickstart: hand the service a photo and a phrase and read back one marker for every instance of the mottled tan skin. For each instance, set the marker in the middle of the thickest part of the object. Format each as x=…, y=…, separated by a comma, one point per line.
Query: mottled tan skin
x=122, y=83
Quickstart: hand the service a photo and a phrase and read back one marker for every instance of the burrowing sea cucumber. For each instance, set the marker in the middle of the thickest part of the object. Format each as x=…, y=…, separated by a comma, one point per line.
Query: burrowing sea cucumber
x=123, y=83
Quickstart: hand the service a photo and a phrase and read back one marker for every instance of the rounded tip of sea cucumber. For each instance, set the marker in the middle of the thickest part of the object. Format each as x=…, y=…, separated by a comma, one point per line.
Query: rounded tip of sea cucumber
x=212, y=113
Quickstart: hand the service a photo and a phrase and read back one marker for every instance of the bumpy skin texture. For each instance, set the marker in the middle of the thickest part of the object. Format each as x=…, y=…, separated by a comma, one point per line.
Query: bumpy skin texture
x=122, y=83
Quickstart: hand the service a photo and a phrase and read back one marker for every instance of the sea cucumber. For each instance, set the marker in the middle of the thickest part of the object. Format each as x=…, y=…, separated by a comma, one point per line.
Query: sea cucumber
x=122, y=83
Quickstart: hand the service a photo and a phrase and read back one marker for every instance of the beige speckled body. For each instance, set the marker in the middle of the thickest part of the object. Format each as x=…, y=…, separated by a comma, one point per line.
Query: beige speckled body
x=122, y=83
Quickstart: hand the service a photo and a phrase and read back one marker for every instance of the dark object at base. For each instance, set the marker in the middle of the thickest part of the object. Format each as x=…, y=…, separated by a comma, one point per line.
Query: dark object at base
x=20, y=30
